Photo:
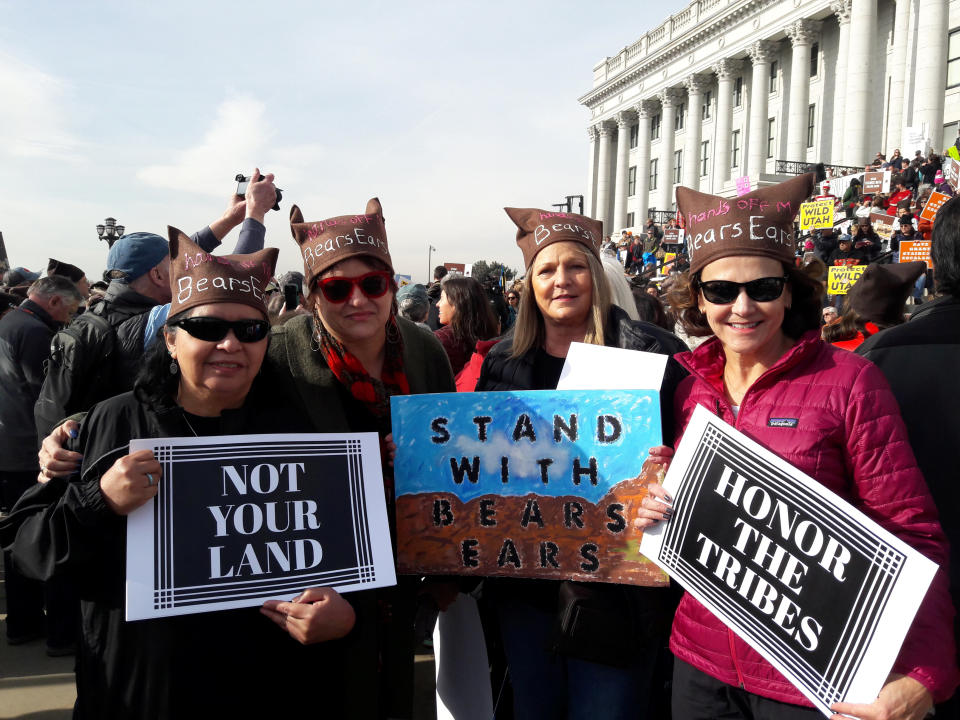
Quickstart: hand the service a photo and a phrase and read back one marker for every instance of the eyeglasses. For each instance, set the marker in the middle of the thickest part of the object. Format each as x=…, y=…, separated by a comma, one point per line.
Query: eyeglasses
x=212, y=329
x=724, y=292
x=338, y=289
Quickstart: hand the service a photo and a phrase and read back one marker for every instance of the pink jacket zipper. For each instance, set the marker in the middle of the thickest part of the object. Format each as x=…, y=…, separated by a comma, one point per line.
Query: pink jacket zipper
x=733, y=656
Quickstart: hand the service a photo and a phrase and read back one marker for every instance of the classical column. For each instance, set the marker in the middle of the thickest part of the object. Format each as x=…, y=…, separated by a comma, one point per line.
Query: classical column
x=931, y=75
x=841, y=9
x=726, y=72
x=898, y=63
x=802, y=34
x=696, y=84
x=762, y=53
x=669, y=97
x=590, y=198
x=857, y=122
x=645, y=109
x=624, y=121
x=602, y=213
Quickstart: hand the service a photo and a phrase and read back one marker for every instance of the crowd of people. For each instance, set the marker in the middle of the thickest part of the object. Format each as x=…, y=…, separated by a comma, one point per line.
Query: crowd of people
x=747, y=324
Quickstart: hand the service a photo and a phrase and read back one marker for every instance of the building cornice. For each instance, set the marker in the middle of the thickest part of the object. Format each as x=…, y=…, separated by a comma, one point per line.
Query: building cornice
x=737, y=12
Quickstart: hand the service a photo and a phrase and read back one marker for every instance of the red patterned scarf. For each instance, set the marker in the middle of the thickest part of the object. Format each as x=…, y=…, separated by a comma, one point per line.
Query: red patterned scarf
x=373, y=392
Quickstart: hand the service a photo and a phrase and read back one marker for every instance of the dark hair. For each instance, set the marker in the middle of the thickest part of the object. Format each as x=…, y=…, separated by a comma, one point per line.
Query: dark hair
x=473, y=319
x=802, y=315
x=945, y=248
x=650, y=309
x=439, y=272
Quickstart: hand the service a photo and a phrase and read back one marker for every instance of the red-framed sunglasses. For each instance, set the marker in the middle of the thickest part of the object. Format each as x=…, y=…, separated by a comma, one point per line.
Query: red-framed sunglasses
x=339, y=288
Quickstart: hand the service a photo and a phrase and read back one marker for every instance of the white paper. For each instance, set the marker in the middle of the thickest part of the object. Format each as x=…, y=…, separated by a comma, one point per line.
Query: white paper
x=463, y=672
x=597, y=367
x=151, y=545
x=876, y=642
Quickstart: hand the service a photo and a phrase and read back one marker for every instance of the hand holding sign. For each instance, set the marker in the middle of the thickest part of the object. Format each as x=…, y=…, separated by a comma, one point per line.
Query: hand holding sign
x=318, y=614
x=901, y=697
x=131, y=481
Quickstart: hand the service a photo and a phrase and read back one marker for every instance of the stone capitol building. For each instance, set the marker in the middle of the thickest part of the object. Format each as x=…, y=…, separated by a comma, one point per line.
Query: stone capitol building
x=762, y=88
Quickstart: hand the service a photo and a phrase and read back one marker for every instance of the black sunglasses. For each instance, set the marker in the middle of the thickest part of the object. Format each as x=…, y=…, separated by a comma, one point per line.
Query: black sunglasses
x=724, y=292
x=212, y=329
x=337, y=289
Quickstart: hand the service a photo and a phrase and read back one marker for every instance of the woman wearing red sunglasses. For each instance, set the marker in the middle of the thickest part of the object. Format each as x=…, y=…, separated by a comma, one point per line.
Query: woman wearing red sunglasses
x=826, y=411
x=340, y=365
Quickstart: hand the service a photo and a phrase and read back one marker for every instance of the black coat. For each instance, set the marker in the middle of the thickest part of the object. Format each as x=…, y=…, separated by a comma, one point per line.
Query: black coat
x=25, y=334
x=234, y=663
x=920, y=360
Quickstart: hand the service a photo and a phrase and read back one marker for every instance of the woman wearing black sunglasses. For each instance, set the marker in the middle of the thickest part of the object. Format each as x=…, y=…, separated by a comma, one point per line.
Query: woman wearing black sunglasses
x=204, y=379
x=828, y=412
x=340, y=365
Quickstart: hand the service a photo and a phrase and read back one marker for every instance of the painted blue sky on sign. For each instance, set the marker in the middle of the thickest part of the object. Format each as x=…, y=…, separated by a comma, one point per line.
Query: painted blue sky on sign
x=423, y=465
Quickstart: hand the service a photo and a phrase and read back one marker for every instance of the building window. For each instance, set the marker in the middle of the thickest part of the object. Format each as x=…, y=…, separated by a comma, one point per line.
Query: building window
x=634, y=135
x=811, y=124
x=705, y=111
x=773, y=76
x=678, y=120
x=738, y=92
x=814, y=59
x=735, y=149
x=677, y=166
x=655, y=127
x=653, y=174
x=632, y=181
x=704, y=158
x=953, y=59
x=771, y=127
x=630, y=217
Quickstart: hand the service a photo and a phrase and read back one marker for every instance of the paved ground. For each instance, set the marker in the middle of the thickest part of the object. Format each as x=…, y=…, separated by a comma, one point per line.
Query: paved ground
x=36, y=687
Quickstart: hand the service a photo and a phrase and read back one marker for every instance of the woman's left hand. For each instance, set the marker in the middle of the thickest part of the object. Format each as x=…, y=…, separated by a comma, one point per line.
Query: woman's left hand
x=316, y=615
x=901, y=698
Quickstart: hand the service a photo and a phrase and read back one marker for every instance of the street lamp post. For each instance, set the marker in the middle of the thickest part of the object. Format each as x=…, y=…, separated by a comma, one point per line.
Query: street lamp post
x=429, y=263
x=110, y=231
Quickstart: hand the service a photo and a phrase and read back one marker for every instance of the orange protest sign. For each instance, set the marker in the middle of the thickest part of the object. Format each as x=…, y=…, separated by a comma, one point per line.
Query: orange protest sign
x=933, y=205
x=913, y=250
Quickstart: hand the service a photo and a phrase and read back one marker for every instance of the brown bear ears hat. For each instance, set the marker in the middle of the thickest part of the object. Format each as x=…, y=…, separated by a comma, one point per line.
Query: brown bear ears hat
x=758, y=223
x=199, y=278
x=326, y=242
x=64, y=269
x=879, y=296
x=538, y=228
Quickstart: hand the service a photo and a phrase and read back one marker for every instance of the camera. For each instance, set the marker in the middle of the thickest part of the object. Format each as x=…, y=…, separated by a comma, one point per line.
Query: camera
x=291, y=296
x=243, y=181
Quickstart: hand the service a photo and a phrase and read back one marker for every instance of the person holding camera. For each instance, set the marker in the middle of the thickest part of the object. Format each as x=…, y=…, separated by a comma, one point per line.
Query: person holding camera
x=99, y=354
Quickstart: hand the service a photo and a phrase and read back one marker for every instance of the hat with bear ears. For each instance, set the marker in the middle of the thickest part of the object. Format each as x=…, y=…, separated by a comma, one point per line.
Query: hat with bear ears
x=199, y=278
x=758, y=223
x=538, y=228
x=326, y=242
x=880, y=294
x=65, y=269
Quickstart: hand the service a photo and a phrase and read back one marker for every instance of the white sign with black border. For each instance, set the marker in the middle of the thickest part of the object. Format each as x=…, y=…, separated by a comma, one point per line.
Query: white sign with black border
x=239, y=519
x=824, y=593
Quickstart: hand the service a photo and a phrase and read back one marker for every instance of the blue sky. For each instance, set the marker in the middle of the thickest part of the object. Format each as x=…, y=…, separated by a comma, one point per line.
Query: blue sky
x=446, y=111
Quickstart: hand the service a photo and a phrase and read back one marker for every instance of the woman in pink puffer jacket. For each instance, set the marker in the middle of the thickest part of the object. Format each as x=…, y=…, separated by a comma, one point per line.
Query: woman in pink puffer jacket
x=766, y=360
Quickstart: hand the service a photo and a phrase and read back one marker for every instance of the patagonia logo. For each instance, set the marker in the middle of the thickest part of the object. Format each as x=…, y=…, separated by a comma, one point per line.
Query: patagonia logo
x=783, y=422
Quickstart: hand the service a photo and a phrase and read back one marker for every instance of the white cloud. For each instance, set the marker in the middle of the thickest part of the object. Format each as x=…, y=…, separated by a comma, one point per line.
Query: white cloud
x=33, y=123
x=239, y=139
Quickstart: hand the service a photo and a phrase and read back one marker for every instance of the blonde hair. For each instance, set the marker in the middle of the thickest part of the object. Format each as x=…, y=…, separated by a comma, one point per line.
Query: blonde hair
x=529, y=330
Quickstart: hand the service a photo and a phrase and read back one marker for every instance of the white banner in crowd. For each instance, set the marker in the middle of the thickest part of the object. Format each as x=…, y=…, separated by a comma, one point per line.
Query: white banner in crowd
x=240, y=519
x=825, y=594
